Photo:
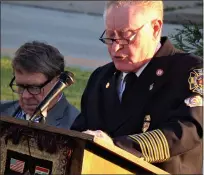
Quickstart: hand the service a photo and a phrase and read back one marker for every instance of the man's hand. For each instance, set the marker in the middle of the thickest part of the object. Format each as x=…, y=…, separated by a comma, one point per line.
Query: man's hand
x=100, y=134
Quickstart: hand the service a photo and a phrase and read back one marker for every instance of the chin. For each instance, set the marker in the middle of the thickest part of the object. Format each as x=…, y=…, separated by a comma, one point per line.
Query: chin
x=29, y=113
x=123, y=67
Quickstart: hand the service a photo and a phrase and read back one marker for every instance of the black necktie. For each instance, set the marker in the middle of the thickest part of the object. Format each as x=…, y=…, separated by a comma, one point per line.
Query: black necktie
x=130, y=79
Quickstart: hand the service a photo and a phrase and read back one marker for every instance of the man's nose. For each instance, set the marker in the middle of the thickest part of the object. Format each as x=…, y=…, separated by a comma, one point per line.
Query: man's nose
x=115, y=47
x=26, y=94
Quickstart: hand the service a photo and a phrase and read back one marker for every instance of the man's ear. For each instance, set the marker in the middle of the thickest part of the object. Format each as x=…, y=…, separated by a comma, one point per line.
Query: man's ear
x=157, y=27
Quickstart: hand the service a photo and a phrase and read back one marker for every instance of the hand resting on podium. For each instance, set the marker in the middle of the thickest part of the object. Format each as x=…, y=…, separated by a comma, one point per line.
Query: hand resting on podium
x=121, y=142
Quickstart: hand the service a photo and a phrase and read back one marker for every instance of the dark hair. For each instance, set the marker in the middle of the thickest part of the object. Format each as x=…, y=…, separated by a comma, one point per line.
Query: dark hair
x=39, y=57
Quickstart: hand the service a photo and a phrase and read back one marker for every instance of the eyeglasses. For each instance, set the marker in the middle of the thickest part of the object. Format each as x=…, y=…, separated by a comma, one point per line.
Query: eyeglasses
x=122, y=41
x=34, y=90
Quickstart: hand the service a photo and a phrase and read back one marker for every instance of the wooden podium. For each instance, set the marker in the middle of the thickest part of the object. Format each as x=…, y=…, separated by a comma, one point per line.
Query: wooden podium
x=70, y=152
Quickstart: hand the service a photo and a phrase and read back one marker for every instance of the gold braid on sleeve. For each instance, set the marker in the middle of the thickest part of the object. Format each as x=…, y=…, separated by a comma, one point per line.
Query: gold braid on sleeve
x=154, y=145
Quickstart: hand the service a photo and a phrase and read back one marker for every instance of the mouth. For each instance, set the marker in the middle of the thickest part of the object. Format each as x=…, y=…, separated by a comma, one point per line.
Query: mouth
x=30, y=106
x=120, y=57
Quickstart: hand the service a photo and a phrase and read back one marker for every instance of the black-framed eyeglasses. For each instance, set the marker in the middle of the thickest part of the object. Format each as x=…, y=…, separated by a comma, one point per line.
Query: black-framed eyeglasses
x=34, y=90
x=121, y=41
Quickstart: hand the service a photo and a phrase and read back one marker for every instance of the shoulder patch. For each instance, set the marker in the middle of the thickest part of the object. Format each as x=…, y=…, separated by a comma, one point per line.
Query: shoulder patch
x=195, y=81
x=194, y=101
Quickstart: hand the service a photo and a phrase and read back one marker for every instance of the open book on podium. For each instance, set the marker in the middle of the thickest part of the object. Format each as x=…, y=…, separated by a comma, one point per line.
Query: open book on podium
x=34, y=148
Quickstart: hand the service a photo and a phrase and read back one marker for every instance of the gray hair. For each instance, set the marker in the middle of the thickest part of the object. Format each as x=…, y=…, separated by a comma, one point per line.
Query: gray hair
x=38, y=57
x=156, y=5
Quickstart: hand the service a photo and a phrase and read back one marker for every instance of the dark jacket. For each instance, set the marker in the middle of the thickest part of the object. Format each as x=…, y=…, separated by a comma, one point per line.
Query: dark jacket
x=173, y=136
x=62, y=115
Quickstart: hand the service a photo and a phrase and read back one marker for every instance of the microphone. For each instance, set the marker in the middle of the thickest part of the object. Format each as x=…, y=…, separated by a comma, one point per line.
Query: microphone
x=65, y=79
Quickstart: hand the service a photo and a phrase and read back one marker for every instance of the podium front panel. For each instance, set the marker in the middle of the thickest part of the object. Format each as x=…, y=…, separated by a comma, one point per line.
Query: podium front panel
x=26, y=150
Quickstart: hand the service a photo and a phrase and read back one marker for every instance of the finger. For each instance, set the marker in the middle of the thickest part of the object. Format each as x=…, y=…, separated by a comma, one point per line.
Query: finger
x=90, y=132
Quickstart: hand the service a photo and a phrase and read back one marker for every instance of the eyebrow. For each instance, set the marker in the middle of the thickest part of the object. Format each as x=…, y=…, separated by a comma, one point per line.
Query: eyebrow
x=33, y=85
x=125, y=30
x=122, y=30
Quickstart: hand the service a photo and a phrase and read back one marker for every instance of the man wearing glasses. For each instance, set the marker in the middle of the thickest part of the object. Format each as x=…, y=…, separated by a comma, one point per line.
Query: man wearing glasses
x=36, y=68
x=148, y=100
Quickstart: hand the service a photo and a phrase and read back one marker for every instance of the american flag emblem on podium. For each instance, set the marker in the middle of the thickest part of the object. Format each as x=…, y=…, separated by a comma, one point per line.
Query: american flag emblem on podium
x=41, y=170
x=17, y=165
